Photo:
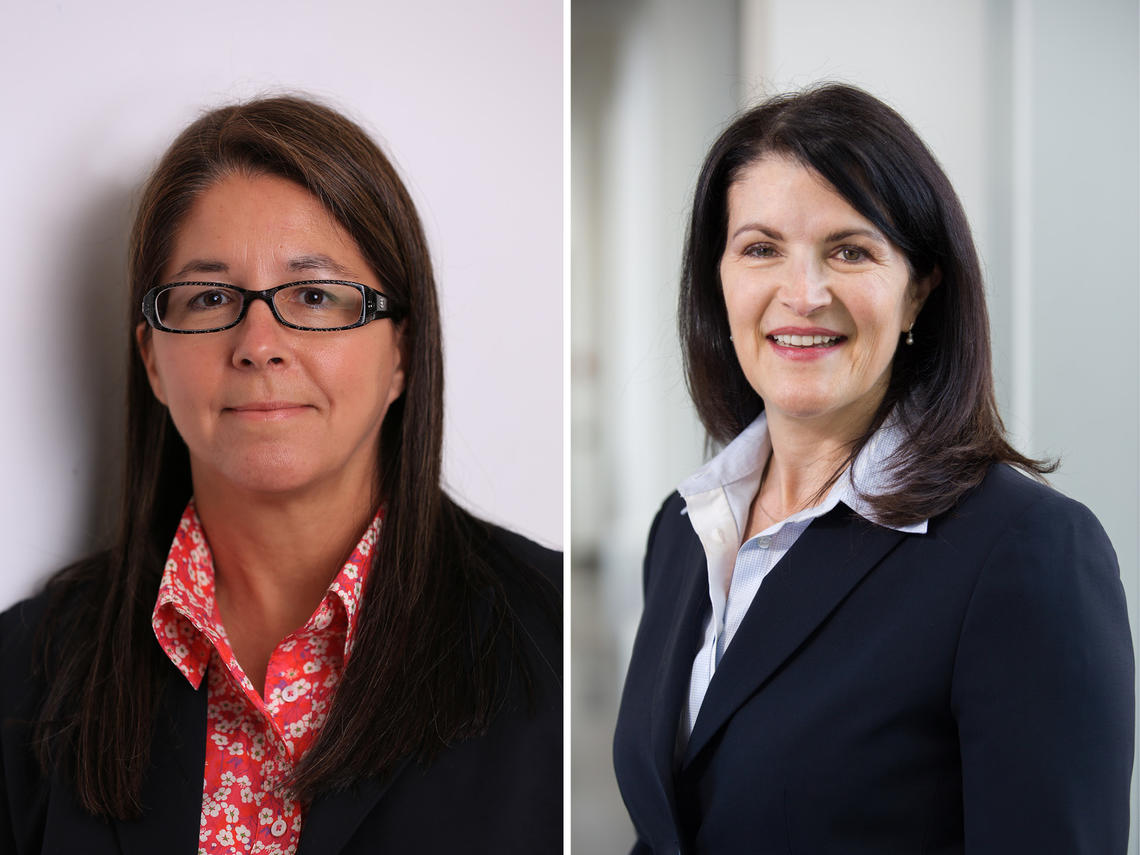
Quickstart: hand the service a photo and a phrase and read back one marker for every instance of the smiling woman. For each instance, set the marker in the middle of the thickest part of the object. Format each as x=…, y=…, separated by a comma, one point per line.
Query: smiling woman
x=797, y=253
x=298, y=641
x=863, y=631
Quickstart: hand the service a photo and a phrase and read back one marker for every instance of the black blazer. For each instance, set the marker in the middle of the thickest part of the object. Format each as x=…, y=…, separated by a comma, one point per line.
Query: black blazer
x=965, y=690
x=501, y=792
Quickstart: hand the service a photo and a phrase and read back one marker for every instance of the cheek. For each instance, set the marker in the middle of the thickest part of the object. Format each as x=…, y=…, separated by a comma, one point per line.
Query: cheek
x=359, y=374
x=182, y=374
x=743, y=306
x=880, y=321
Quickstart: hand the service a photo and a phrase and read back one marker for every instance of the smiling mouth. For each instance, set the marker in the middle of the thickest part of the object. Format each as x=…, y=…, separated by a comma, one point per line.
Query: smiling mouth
x=806, y=341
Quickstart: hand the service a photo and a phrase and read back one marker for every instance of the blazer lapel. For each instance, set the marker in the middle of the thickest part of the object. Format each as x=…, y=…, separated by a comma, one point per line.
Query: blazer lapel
x=332, y=820
x=172, y=789
x=808, y=583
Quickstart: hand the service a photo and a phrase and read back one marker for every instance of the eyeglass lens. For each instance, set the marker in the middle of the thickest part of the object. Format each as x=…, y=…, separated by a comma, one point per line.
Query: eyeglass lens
x=207, y=307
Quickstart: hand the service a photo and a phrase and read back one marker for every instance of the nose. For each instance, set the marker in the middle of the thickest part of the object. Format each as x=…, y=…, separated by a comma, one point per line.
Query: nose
x=805, y=290
x=260, y=341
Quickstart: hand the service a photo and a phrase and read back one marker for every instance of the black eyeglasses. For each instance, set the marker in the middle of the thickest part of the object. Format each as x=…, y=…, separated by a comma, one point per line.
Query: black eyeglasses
x=322, y=305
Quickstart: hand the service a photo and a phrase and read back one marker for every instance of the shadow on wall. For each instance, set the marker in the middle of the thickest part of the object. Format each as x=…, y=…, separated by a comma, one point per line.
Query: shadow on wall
x=96, y=342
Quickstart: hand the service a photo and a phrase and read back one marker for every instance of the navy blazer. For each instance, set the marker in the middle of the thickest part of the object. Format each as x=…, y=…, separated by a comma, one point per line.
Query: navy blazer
x=497, y=793
x=969, y=689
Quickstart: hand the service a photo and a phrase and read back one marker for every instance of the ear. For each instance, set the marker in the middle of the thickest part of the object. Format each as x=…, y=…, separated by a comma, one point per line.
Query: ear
x=396, y=385
x=919, y=290
x=144, y=337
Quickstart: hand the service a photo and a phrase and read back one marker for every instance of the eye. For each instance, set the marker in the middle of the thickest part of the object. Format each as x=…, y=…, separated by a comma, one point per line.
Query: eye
x=214, y=298
x=853, y=254
x=314, y=297
x=311, y=297
x=760, y=250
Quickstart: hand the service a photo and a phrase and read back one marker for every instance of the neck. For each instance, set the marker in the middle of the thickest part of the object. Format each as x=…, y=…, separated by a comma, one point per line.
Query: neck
x=806, y=455
x=274, y=558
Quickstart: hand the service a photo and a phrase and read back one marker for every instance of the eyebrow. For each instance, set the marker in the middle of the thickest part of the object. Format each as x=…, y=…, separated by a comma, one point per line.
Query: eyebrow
x=317, y=261
x=757, y=227
x=841, y=234
x=201, y=265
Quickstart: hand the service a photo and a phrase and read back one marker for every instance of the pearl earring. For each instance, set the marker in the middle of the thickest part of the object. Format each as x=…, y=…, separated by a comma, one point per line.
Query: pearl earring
x=910, y=334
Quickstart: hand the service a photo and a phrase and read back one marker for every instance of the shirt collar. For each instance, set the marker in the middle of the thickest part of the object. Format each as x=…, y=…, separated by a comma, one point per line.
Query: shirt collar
x=732, y=478
x=186, y=621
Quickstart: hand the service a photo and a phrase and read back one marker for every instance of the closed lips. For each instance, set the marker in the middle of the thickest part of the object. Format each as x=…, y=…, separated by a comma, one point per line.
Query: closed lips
x=267, y=410
x=267, y=405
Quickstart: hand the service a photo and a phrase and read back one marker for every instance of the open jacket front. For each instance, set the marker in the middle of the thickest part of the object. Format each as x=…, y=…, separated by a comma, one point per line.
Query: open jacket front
x=969, y=689
x=497, y=793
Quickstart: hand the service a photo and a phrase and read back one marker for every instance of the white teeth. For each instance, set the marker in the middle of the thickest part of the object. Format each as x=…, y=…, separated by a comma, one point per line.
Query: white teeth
x=805, y=340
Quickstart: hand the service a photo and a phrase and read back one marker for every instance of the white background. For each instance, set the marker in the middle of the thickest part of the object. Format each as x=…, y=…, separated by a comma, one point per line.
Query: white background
x=465, y=97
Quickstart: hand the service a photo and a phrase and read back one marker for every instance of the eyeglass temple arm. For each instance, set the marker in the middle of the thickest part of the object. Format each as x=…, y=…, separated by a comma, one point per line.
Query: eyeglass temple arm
x=377, y=305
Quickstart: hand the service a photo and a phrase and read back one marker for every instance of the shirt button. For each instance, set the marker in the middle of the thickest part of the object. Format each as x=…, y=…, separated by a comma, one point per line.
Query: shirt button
x=278, y=828
x=764, y=542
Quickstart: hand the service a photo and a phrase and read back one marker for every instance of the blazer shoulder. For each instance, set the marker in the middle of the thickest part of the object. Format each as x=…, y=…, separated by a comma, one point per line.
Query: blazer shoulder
x=24, y=638
x=671, y=527
x=1015, y=490
x=669, y=535
x=1019, y=527
x=510, y=546
x=37, y=631
x=1008, y=499
x=19, y=625
x=530, y=576
x=671, y=508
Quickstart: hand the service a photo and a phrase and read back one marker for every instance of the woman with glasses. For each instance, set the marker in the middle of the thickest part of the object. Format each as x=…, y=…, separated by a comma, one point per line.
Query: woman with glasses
x=297, y=642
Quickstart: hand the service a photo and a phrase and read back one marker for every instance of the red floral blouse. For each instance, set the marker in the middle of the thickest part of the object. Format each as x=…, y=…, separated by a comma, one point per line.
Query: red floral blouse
x=251, y=742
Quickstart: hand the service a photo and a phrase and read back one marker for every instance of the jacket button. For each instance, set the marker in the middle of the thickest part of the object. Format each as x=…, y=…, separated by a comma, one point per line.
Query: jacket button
x=278, y=828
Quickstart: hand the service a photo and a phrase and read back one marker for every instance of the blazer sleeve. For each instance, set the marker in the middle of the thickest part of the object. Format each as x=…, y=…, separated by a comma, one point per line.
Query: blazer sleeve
x=1043, y=690
x=23, y=789
x=671, y=507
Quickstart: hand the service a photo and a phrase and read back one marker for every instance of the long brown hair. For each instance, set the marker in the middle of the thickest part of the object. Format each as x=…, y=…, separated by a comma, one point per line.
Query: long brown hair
x=941, y=388
x=424, y=671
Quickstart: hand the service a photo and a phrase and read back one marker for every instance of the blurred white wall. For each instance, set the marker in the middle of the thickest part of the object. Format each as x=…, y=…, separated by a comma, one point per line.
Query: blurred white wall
x=652, y=82
x=1033, y=109
x=465, y=97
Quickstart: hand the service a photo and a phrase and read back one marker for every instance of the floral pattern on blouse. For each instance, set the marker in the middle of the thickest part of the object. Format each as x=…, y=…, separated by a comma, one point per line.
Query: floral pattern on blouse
x=253, y=743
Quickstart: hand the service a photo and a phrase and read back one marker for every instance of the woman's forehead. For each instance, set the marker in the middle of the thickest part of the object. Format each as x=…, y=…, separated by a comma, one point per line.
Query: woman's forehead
x=779, y=192
x=262, y=225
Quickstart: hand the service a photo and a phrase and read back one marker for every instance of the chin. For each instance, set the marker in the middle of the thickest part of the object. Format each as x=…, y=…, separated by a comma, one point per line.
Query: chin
x=271, y=482
x=800, y=405
x=269, y=471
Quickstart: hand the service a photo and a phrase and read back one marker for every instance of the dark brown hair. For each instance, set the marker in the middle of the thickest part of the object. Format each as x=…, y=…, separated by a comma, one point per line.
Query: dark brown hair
x=941, y=388
x=425, y=669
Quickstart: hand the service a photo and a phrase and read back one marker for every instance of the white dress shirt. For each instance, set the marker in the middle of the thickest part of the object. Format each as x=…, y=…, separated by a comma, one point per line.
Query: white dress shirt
x=717, y=499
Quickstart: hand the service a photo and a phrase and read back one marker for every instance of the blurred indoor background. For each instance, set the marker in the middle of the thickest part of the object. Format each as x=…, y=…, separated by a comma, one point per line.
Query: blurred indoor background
x=1033, y=109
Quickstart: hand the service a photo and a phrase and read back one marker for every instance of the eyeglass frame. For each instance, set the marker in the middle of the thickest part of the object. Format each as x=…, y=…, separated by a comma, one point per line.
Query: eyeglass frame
x=374, y=307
